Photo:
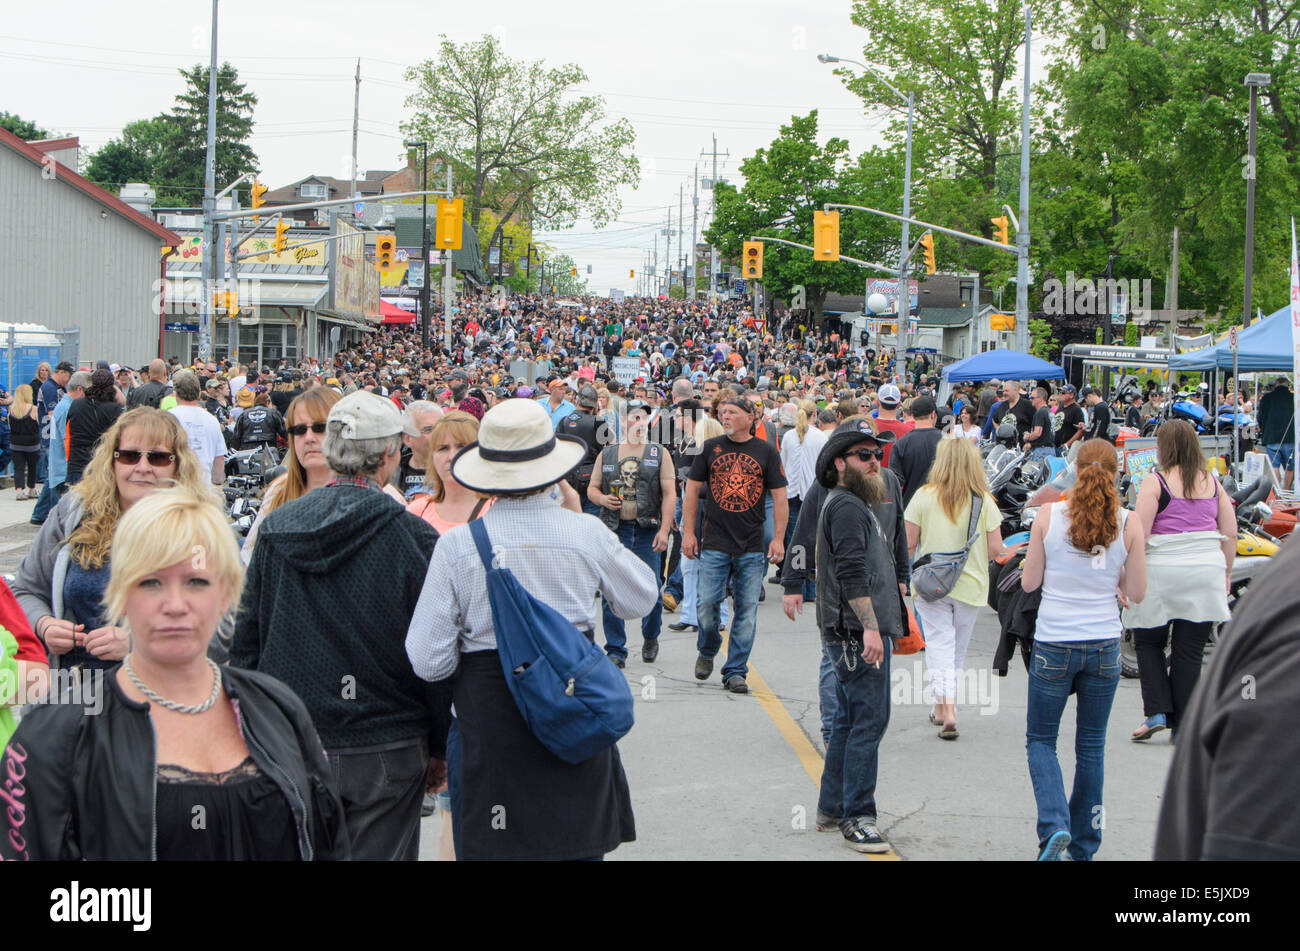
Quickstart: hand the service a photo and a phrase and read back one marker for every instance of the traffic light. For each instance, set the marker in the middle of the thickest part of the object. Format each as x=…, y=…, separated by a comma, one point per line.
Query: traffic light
x=232, y=303
x=573, y=272
x=752, y=260
x=631, y=272
x=1002, y=321
x=258, y=190
x=1001, y=228
x=448, y=224
x=927, y=245
x=385, y=249
x=826, y=235
x=280, y=242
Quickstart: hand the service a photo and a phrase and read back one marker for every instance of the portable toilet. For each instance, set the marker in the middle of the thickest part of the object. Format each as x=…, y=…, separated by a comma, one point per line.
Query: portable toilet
x=32, y=343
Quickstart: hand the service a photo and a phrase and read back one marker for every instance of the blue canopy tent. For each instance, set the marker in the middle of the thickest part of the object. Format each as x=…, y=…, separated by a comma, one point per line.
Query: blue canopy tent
x=1001, y=365
x=1265, y=345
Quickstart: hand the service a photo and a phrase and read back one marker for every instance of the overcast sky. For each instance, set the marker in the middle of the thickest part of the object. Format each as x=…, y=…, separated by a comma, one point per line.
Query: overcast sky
x=678, y=71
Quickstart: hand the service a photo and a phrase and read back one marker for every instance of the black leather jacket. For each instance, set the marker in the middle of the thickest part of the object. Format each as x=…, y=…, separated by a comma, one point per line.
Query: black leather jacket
x=84, y=787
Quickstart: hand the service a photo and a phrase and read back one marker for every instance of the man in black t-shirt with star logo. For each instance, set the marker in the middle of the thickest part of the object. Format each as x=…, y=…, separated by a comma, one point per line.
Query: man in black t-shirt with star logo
x=739, y=470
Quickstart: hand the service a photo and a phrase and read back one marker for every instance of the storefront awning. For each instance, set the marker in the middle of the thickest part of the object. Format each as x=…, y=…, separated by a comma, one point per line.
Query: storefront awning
x=346, y=320
x=183, y=291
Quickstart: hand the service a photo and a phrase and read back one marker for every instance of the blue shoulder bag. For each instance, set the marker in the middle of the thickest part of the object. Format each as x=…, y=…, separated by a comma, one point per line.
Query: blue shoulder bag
x=573, y=699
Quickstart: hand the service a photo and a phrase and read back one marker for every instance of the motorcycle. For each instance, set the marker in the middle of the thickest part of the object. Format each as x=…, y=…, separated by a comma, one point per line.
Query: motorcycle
x=248, y=473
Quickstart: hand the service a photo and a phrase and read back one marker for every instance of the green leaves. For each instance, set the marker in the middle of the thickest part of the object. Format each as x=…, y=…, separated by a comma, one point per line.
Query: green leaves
x=518, y=138
x=23, y=128
x=169, y=151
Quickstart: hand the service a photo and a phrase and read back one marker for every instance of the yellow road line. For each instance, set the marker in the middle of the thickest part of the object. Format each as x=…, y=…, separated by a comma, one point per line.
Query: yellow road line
x=809, y=758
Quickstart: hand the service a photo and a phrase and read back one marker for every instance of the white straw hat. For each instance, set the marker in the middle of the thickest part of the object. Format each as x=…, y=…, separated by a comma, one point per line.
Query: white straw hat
x=517, y=450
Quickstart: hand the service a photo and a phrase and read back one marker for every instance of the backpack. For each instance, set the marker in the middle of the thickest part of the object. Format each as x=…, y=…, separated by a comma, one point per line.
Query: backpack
x=573, y=699
x=935, y=575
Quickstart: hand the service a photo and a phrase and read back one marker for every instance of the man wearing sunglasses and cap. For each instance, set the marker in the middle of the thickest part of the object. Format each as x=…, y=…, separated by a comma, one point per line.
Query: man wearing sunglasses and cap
x=859, y=609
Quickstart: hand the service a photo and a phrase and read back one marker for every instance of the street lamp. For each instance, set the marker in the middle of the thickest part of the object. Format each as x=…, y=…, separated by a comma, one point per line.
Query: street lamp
x=904, y=311
x=424, y=239
x=1254, y=82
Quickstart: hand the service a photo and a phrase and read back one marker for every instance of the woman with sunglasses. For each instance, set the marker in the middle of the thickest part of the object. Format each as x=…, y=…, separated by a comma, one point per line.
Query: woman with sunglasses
x=305, y=461
x=61, y=582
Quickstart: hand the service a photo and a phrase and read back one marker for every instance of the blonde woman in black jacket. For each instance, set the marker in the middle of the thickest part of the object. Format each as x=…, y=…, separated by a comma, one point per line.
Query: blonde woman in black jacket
x=183, y=759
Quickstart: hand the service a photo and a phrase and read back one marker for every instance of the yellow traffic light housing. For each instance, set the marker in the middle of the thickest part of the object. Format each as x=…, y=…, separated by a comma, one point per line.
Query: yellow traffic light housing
x=385, y=251
x=826, y=235
x=927, y=246
x=232, y=303
x=257, y=191
x=631, y=272
x=752, y=261
x=448, y=224
x=280, y=242
x=1001, y=229
x=573, y=272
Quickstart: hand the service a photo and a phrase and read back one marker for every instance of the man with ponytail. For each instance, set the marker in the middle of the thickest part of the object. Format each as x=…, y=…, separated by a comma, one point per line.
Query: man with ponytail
x=1088, y=557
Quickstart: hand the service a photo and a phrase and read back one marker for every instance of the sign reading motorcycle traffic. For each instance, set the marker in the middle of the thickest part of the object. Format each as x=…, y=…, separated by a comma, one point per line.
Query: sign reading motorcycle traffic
x=625, y=369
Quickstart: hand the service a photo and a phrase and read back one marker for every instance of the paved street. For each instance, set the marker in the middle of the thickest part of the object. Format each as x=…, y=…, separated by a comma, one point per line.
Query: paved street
x=720, y=776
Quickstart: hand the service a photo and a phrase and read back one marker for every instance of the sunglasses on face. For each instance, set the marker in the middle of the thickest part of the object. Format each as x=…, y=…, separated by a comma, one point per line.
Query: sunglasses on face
x=865, y=455
x=301, y=429
x=131, y=457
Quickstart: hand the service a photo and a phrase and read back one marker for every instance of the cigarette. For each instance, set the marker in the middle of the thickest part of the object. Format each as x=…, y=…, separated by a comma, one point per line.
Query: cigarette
x=877, y=665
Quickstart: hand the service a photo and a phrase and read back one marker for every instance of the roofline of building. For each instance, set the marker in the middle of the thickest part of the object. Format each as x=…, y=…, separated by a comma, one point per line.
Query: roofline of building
x=54, y=145
x=90, y=189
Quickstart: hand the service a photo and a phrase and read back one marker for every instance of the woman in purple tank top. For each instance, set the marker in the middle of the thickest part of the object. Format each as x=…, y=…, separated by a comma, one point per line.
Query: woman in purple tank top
x=1191, y=538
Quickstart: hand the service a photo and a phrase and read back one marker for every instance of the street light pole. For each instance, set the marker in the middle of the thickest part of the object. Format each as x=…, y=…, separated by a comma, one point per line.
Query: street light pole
x=209, y=259
x=1254, y=81
x=904, y=298
x=424, y=239
x=1022, y=224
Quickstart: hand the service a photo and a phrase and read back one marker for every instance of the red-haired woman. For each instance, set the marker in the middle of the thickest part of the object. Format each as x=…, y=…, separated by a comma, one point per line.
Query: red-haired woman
x=1087, y=555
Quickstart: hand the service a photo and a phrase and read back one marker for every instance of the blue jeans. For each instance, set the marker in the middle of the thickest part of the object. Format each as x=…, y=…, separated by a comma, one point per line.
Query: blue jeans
x=691, y=594
x=715, y=567
x=769, y=521
x=45, y=502
x=640, y=542
x=1043, y=452
x=5, y=456
x=676, y=585
x=848, y=786
x=827, y=699
x=1091, y=670
x=43, y=466
x=453, y=781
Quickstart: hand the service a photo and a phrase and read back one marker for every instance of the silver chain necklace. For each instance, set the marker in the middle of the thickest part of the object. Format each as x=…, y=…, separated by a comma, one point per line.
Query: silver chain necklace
x=172, y=704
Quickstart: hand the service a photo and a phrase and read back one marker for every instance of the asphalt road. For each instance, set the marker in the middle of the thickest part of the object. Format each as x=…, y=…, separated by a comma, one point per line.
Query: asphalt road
x=716, y=775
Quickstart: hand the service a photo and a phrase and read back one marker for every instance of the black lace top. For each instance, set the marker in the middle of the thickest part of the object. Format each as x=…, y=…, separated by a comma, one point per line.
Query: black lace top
x=236, y=815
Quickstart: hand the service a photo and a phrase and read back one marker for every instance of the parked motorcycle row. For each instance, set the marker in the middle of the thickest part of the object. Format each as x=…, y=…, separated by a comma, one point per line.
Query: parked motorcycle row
x=248, y=473
x=1020, y=486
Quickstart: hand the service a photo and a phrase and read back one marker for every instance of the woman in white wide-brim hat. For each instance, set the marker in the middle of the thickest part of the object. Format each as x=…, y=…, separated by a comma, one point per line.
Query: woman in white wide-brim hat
x=511, y=797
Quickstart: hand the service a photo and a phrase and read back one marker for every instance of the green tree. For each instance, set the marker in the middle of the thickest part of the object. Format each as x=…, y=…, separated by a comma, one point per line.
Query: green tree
x=169, y=151
x=1041, y=341
x=23, y=128
x=784, y=184
x=134, y=157
x=520, y=139
x=1131, y=335
x=559, y=274
x=1152, y=122
x=961, y=61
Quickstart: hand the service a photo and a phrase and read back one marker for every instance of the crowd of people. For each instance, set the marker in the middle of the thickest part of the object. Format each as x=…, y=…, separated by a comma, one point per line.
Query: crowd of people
x=338, y=678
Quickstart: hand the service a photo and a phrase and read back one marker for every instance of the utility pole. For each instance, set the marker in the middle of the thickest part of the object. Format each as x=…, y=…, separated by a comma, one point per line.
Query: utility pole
x=1172, y=302
x=356, y=119
x=1022, y=232
x=668, y=252
x=656, y=269
x=713, y=253
x=209, y=203
x=695, y=223
x=446, y=278
x=681, y=234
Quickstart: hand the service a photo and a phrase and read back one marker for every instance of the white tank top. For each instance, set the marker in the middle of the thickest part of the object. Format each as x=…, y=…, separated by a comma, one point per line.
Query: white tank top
x=1079, y=602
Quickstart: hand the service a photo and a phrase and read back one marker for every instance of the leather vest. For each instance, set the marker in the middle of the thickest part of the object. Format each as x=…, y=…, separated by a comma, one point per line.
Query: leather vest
x=596, y=434
x=257, y=426
x=649, y=494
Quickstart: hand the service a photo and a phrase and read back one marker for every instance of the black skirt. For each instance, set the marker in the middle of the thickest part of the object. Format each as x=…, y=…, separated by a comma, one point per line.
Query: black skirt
x=517, y=799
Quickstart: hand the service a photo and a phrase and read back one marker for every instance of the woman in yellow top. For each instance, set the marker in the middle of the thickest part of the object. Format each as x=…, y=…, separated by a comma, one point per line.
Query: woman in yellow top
x=938, y=520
